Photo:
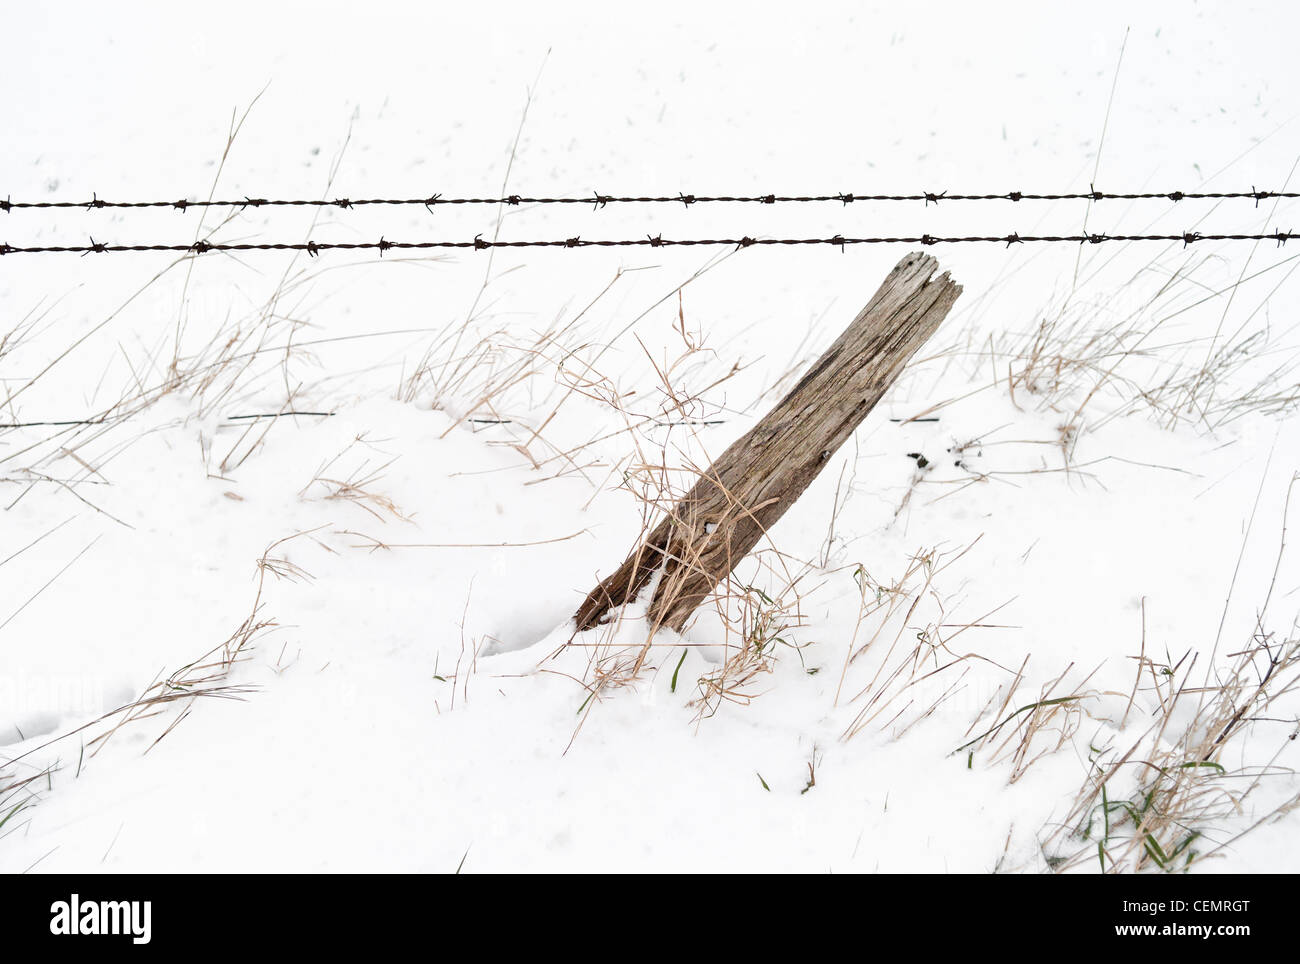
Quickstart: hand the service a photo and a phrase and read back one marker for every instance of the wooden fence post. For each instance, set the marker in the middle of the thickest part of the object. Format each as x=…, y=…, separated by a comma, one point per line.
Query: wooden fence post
x=762, y=473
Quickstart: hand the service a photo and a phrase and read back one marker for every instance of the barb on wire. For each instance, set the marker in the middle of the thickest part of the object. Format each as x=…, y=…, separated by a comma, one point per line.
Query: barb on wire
x=599, y=201
x=313, y=248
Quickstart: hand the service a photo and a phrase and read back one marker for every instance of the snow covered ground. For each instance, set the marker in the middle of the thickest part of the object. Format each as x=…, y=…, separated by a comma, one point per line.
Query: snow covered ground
x=339, y=642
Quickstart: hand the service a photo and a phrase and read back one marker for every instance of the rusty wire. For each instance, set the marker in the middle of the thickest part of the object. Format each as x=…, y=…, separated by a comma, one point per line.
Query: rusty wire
x=598, y=200
x=383, y=245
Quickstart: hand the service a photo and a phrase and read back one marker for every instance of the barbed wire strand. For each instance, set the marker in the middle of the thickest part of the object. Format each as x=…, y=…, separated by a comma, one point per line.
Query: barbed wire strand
x=383, y=245
x=598, y=200
x=105, y=419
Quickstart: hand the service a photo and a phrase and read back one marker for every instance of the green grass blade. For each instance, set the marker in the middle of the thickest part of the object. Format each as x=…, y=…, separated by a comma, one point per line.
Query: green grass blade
x=678, y=670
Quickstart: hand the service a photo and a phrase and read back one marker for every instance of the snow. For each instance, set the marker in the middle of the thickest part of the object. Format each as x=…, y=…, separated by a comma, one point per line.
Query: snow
x=414, y=704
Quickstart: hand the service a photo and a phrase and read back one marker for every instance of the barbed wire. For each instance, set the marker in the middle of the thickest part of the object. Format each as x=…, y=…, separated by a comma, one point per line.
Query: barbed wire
x=106, y=419
x=598, y=200
x=383, y=245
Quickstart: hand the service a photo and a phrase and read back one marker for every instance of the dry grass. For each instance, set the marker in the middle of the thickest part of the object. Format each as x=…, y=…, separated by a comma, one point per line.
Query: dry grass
x=1022, y=736
x=250, y=359
x=171, y=698
x=1122, y=353
x=357, y=487
x=755, y=626
x=1199, y=774
x=1171, y=797
x=900, y=665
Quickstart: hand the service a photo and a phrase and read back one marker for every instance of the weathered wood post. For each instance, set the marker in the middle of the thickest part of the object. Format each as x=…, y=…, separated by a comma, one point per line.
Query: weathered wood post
x=761, y=474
